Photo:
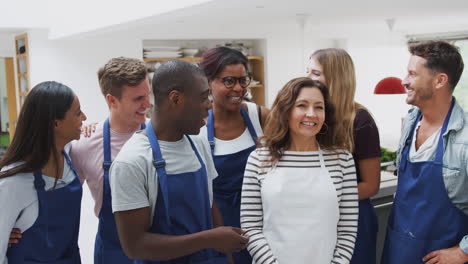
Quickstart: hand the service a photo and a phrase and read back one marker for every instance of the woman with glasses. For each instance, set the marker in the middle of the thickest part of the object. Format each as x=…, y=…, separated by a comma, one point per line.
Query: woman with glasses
x=334, y=67
x=40, y=192
x=232, y=129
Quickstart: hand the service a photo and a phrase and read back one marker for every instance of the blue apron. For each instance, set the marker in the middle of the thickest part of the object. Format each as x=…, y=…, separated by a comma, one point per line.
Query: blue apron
x=182, y=206
x=228, y=185
x=53, y=238
x=366, y=240
x=423, y=218
x=107, y=248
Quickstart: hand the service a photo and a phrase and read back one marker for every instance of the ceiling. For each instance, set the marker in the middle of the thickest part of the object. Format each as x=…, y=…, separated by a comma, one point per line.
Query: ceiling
x=66, y=20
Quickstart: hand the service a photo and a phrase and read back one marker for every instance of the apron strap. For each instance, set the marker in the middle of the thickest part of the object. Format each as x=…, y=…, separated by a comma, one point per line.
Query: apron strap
x=210, y=128
x=440, y=144
x=159, y=163
x=107, y=148
x=322, y=160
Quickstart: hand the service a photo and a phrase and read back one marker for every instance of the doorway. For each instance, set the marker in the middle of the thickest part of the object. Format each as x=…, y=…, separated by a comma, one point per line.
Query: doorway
x=8, y=109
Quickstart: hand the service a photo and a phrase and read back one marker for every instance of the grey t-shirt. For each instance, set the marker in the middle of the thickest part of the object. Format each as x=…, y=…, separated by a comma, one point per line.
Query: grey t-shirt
x=19, y=202
x=133, y=178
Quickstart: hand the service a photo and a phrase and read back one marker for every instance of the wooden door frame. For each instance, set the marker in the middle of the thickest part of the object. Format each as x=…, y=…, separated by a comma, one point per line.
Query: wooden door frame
x=11, y=95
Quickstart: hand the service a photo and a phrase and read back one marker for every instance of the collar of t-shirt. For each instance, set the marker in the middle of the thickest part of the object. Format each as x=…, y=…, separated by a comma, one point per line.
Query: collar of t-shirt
x=427, y=150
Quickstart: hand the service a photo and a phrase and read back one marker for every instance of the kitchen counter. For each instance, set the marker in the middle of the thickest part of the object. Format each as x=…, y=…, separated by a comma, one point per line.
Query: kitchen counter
x=383, y=202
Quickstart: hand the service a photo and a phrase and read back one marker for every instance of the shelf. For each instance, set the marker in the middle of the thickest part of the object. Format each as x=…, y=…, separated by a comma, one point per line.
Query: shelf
x=22, y=56
x=23, y=75
x=256, y=86
x=23, y=93
x=187, y=59
x=193, y=59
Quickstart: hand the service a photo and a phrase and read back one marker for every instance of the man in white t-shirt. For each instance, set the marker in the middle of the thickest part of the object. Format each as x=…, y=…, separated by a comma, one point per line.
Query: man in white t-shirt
x=161, y=181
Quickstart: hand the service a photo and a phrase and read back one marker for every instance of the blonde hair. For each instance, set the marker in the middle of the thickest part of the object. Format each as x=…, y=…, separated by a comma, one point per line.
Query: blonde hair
x=338, y=69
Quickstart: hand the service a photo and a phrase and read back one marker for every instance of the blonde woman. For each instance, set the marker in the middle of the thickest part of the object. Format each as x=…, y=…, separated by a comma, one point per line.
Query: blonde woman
x=299, y=196
x=357, y=132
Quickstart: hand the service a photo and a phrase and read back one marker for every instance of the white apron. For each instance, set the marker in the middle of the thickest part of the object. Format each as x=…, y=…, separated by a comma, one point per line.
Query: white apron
x=301, y=214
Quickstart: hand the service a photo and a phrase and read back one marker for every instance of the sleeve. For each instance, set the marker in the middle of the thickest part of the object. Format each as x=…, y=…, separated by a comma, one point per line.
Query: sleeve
x=349, y=212
x=12, y=206
x=366, y=137
x=128, y=187
x=75, y=157
x=464, y=244
x=252, y=214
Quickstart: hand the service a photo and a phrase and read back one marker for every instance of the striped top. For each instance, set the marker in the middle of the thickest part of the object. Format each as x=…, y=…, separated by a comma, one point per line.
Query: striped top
x=341, y=169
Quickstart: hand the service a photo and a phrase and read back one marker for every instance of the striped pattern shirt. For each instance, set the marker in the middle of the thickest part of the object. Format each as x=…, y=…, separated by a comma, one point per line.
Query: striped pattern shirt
x=340, y=166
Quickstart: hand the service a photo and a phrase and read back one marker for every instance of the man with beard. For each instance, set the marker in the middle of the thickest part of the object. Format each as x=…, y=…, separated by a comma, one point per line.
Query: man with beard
x=429, y=220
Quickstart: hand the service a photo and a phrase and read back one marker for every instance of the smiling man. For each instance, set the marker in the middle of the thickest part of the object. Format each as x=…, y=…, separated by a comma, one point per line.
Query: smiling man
x=161, y=181
x=430, y=211
x=125, y=87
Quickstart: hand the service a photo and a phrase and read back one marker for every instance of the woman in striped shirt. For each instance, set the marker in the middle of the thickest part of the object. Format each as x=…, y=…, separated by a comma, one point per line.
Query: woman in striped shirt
x=299, y=196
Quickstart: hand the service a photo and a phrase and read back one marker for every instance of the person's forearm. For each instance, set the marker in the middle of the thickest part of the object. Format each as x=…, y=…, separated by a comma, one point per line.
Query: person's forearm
x=366, y=190
x=165, y=247
x=217, y=217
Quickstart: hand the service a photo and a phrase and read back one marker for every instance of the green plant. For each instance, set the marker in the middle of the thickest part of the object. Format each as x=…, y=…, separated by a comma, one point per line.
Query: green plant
x=387, y=155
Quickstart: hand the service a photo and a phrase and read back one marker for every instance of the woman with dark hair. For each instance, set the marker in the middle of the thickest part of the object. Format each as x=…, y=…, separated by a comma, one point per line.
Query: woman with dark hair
x=232, y=129
x=335, y=68
x=40, y=192
x=299, y=195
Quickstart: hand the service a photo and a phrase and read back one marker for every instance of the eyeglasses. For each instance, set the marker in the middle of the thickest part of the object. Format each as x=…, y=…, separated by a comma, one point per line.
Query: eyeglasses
x=230, y=81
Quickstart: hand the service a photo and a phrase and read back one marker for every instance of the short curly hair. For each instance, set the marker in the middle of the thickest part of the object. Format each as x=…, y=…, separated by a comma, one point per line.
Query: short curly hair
x=441, y=57
x=119, y=72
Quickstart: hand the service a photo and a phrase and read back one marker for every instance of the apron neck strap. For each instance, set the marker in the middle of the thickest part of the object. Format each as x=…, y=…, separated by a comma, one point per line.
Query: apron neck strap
x=210, y=127
x=440, y=144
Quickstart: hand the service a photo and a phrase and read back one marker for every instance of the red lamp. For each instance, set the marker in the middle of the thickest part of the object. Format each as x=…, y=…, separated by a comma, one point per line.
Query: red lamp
x=390, y=85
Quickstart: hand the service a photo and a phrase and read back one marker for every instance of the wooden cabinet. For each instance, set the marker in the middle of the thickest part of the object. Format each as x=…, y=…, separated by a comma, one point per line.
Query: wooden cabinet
x=22, y=66
x=256, y=70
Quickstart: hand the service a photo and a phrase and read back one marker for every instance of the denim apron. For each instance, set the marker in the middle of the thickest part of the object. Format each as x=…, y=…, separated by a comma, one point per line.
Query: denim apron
x=182, y=206
x=107, y=248
x=53, y=238
x=228, y=185
x=423, y=218
x=366, y=240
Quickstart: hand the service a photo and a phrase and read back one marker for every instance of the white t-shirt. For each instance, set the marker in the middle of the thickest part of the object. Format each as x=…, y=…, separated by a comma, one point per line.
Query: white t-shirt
x=244, y=141
x=20, y=204
x=427, y=150
x=133, y=178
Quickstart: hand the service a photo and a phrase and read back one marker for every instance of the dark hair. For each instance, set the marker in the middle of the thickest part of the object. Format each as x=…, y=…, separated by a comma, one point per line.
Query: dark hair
x=173, y=75
x=34, y=139
x=214, y=60
x=277, y=136
x=441, y=57
x=119, y=72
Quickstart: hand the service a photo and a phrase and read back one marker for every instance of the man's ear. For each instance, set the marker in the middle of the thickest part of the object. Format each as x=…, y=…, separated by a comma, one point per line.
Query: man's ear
x=176, y=97
x=441, y=80
x=111, y=100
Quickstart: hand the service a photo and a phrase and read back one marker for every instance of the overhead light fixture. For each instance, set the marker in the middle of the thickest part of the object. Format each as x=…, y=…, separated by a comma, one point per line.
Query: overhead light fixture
x=390, y=85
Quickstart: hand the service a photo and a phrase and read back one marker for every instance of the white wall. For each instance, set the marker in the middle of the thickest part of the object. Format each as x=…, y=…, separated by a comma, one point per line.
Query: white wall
x=75, y=63
x=7, y=45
